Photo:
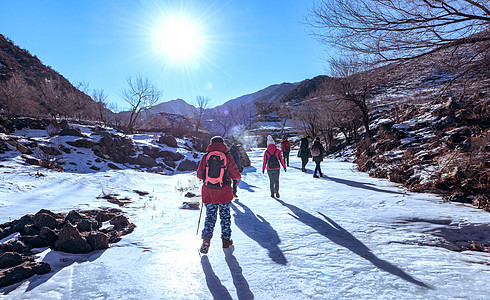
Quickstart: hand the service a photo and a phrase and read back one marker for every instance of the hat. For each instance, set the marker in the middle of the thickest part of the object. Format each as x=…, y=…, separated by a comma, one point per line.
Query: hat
x=217, y=139
x=317, y=138
x=270, y=140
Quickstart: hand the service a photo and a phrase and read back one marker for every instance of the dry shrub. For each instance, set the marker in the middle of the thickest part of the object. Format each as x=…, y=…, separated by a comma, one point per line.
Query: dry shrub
x=48, y=161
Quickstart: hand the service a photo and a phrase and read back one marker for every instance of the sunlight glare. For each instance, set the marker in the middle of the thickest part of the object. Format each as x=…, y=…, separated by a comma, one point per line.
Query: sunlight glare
x=179, y=39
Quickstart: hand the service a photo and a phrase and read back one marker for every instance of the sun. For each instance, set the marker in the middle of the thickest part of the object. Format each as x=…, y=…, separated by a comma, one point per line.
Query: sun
x=179, y=39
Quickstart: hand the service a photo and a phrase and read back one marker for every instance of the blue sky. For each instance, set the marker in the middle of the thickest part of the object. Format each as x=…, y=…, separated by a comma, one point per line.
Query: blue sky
x=245, y=45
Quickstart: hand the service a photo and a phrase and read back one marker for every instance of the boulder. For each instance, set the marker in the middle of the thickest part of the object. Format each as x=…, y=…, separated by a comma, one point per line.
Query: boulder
x=29, y=229
x=82, y=143
x=48, y=234
x=168, y=140
x=119, y=222
x=11, y=259
x=87, y=225
x=14, y=246
x=17, y=274
x=31, y=161
x=71, y=132
x=19, y=225
x=44, y=219
x=113, y=166
x=34, y=241
x=103, y=216
x=50, y=150
x=23, y=149
x=187, y=165
x=73, y=216
x=98, y=240
x=64, y=124
x=71, y=241
x=145, y=161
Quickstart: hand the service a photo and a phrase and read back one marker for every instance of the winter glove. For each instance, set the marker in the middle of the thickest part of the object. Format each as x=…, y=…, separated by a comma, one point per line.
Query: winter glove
x=262, y=171
x=285, y=170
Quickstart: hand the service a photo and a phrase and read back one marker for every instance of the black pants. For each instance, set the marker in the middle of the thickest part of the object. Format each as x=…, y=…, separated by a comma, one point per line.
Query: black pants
x=317, y=168
x=286, y=158
x=304, y=161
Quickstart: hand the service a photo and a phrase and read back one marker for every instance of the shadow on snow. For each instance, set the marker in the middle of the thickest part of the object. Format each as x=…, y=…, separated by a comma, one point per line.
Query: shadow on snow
x=217, y=289
x=342, y=237
x=258, y=229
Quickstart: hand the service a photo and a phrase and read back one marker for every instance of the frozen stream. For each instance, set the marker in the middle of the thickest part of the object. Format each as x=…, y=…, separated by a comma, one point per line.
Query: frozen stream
x=345, y=236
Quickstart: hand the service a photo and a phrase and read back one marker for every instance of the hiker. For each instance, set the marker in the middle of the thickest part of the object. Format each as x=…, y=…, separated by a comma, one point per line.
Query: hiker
x=317, y=151
x=217, y=169
x=273, y=161
x=285, y=148
x=304, y=152
x=236, y=158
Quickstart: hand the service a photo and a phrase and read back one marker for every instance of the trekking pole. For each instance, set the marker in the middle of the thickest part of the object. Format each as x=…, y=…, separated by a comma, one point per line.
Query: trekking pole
x=199, y=222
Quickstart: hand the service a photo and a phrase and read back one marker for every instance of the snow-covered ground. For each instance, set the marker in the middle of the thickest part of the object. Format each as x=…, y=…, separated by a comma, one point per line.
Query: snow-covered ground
x=344, y=236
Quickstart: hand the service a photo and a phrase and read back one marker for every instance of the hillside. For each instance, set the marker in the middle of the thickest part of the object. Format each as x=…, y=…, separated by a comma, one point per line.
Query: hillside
x=28, y=87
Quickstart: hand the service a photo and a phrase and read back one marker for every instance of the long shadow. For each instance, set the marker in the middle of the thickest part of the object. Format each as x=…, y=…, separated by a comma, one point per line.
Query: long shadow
x=241, y=284
x=217, y=289
x=258, y=229
x=308, y=171
x=245, y=186
x=58, y=261
x=342, y=237
x=360, y=185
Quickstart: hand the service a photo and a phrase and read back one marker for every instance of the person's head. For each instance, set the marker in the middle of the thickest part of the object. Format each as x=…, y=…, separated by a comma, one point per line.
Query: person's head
x=317, y=139
x=284, y=138
x=308, y=137
x=270, y=140
x=217, y=139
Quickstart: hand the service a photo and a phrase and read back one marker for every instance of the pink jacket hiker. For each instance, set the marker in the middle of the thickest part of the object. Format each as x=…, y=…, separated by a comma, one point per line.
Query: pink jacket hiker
x=271, y=148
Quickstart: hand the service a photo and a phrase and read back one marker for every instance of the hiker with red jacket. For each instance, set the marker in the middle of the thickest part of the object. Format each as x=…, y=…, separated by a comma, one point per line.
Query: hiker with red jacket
x=285, y=149
x=317, y=151
x=217, y=169
x=273, y=161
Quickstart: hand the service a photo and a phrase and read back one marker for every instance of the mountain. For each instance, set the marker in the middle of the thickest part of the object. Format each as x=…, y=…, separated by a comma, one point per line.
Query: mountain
x=177, y=106
x=304, y=89
x=269, y=94
x=32, y=88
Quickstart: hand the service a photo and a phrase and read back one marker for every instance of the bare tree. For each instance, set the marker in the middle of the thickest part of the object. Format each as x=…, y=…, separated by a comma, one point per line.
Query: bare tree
x=100, y=99
x=141, y=94
x=13, y=93
x=53, y=98
x=202, y=103
x=354, y=84
x=399, y=30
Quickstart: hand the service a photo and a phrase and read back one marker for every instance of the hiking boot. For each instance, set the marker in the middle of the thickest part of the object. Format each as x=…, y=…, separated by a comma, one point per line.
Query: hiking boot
x=235, y=196
x=321, y=174
x=272, y=195
x=277, y=195
x=303, y=170
x=205, y=246
x=315, y=176
x=227, y=243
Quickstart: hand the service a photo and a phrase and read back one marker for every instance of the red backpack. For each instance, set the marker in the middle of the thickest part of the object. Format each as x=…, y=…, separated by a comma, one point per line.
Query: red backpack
x=215, y=171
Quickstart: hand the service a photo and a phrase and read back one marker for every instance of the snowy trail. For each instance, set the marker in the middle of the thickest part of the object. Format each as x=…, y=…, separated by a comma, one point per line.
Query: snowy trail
x=344, y=236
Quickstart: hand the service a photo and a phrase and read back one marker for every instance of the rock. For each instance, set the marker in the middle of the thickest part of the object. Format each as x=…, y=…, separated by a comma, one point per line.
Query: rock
x=73, y=216
x=98, y=240
x=151, y=151
x=44, y=219
x=34, y=241
x=87, y=225
x=187, y=165
x=113, y=166
x=50, y=150
x=189, y=195
x=103, y=216
x=19, y=225
x=82, y=143
x=168, y=140
x=11, y=259
x=14, y=246
x=141, y=193
x=64, y=124
x=119, y=222
x=17, y=274
x=95, y=168
x=23, y=149
x=145, y=161
x=29, y=229
x=71, y=241
x=190, y=205
x=71, y=132
x=48, y=234
x=31, y=161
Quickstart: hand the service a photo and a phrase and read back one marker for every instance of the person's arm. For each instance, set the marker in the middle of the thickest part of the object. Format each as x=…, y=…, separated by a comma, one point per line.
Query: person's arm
x=232, y=168
x=200, y=169
x=264, y=161
x=282, y=160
